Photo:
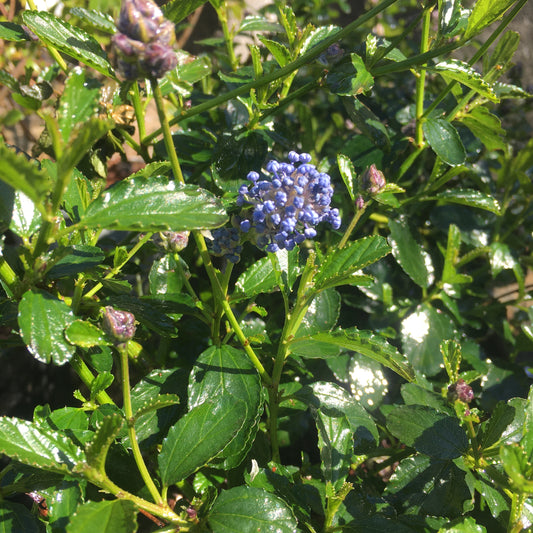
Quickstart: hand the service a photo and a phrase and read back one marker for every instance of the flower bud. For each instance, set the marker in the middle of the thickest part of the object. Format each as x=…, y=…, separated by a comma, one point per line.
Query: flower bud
x=360, y=202
x=140, y=20
x=373, y=180
x=460, y=391
x=158, y=59
x=174, y=241
x=118, y=324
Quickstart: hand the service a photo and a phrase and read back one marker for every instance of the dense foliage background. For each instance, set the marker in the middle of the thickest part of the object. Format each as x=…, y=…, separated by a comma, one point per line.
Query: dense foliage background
x=194, y=338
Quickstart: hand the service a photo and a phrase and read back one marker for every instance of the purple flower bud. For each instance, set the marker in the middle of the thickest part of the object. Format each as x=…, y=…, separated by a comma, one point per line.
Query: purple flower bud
x=141, y=20
x=360, y=202
x=174, y=241
x=373, y=180
x=118, y=324
x=460, y=391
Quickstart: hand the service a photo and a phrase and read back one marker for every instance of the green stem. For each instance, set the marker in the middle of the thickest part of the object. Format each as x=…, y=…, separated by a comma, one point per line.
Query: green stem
x=138, y=109
x=117, y=269
x=167, y=135
x=8, y=278
x=473, y=441
x=222, y=13
x=87, y=377
x=421, y=80
x=351, y=227
x=282, y=72
x=518, y=499
x=128, y=412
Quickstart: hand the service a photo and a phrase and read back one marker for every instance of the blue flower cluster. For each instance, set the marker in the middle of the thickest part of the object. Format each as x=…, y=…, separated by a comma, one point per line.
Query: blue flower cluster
x=288, y=207
x=226, y=243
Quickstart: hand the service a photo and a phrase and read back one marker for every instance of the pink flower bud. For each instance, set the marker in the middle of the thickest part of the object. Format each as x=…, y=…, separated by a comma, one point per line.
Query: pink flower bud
x=118, y=324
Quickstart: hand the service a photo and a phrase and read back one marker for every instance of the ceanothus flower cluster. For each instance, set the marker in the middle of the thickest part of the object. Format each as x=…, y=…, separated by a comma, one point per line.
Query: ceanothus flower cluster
x=226, y=243
x=286, y=209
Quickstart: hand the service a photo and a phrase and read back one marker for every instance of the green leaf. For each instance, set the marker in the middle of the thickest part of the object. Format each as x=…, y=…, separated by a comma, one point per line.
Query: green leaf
x=9, y=31
x=466, y=75
x=333, y=399
x=280, y=52
x=79, y=101
x=486, y=127
x=500, y=59
x=444, y=140
x=177, y=10
x=152, y=424
x=25, y=218
x=63, y=502
x=68, y=39
x=493, y=428
x=259, y=23
x=449, y=16
x=472, y=198
x=428, y=431
x=322, y=314
x=507, y=90
x=368, y=122
x=96, y=451
x=466, y=525
x=350, y=78
x=154, y=204
x=98, y=20
x=116, y=516
x=348, y=174
x=100, y=383
x=159, y=402
x=23, y=175
x=451, y=353
x=249, y=510
x=38, y=446
x=81, y=141
x=227, y=372
x=485, y=12
x=370, y=345
x=409, y=254
x=16, y=518
x=341, y=266
x=77, y=258
x=422, y=332
x=260, y=278
x=199, y=436
x=86, y=335
x=165, y=275
x=518, y=468
x=42, y=321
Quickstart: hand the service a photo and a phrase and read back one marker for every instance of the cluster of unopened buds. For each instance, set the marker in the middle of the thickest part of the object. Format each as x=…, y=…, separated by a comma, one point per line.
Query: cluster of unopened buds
x=285, y=209
x=144, y=41
x=372, y=182
x=119, y=325
x=226, y=242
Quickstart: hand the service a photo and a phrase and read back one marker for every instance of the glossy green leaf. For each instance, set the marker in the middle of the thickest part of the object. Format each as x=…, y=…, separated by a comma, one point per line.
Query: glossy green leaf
x=280, y=52
x=322, y=314
x=81, y=141
x=334, y=400
x=98, y=20
x=518, y=468
x=248, y=510
x=428, y=431
x=79, y=101
x=68, y=39
x=96, y=451
x=485, y=12
x=370, y=345
x=349, y=78
x=63, y=502
x=414, y=394
x=466, y=75
x=508, y=90
x=227, y=372
x=486, y=127
x=76, y=259
x=259, y=23
x=500, y=60
x=166, y=275
x=422, y=332
x=17, y=518
x=493, y=429
x=494, y=496
x=348, y=174
x=199, y=436
x=25, y=218
x=115, y=516
x=154, y=204
x=449, y=273
x=100, y=383
x=444, y=140
x=258, y=279
x=466, y=525
x=67, y=418
x=152, y=420
x=472, y=198
x=42, y=321
x=449, y=16
x=409, y=254
x=342, y=265
x=23, y=175
x=451, y=354
x=38, y=446
x=86, y=335
x=368, y=122
x=177, y=10
x=9, y=31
